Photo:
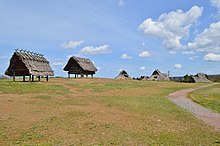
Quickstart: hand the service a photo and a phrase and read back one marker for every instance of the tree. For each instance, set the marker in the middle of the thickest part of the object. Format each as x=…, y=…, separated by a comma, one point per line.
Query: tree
x=188, y=79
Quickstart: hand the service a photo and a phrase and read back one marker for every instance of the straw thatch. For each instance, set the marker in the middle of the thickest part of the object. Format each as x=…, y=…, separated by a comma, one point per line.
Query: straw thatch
x=82, y=66
x=26, y=63
x=123, y=75
x=158, y=76
x=200, y=78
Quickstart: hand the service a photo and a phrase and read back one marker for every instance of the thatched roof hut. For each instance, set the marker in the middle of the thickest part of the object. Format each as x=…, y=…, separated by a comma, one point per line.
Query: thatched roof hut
x=26, y=63
x=123, y=75
x=158, y=76
x=80, y=66
x=200, y=78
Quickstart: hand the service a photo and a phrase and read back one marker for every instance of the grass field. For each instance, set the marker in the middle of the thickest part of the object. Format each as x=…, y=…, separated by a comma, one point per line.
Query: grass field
x=97, y=112
x=208, y=97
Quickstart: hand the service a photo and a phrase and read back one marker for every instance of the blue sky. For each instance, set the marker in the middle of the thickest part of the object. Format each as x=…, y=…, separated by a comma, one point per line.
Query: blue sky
x=136, y=35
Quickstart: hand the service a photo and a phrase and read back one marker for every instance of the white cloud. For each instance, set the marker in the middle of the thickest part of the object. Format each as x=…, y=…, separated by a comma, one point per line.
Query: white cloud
x=216, y=3
x=142, y=68
x=98, y=68
x=96, y=50
x=3, y=57
x=172, y=52
x=144, y=54
x=121, y=2
x=71, y=44
x=121, y=69
x=188, y=52
x=172, y=27
x=58, y=63
x=208, y=40
x=69, y=56
x=178, y=66
x=193, y=57
x=212, y=57
x=126, y=56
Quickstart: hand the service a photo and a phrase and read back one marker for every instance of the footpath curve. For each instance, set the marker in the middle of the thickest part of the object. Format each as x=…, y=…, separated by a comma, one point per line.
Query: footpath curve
x=202, y=113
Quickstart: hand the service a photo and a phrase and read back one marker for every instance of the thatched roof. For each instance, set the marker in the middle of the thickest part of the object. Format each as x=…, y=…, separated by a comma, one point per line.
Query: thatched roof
x=34, y=63
x=157, y=75
x=200, y=78
x=123, y=75
x=84, y=63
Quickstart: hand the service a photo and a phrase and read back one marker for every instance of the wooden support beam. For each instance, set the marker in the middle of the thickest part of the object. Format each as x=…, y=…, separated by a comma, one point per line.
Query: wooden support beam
x=68, y=75
x=75, y=75
x=14, y=76
x=39, y=78
x=32, y=78
x=92, y=76
x=47, y=78
x=23, y=78
x=29, y=78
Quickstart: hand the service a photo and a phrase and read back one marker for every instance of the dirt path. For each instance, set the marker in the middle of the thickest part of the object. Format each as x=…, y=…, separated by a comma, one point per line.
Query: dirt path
x=204, y=114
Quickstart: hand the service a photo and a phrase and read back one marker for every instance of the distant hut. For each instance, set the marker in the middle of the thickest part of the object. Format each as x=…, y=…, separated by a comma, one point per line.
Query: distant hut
x=26, y=63
x=123, y=75
x=200, y=78
x=158, y=76
x=144, y=78
x=80, y=66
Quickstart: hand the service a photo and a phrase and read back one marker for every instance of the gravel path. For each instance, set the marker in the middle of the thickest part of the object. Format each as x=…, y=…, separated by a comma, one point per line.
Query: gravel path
x=204, y=114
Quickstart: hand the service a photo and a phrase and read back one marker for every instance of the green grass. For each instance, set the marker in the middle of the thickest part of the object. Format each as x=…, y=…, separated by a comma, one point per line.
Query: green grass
x=33, y=87
x=99, y=112
x=208, y=97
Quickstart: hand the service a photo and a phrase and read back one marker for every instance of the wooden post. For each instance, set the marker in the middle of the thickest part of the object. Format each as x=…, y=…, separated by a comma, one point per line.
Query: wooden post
x=23, y=78
x=47, y=78
x=14, y=76
x=75, y=75
x=39, y=78
x=92, y=76
x=86, y=75
x=29, y=78
x=32, y=78
x=68, y=75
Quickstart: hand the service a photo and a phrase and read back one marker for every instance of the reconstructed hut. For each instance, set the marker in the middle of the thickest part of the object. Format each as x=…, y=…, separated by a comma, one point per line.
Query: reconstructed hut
x=158, y=76
x=200, y=78
x=80, y=66
x=123, y=75
x=26, y=63
x=144, y=78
